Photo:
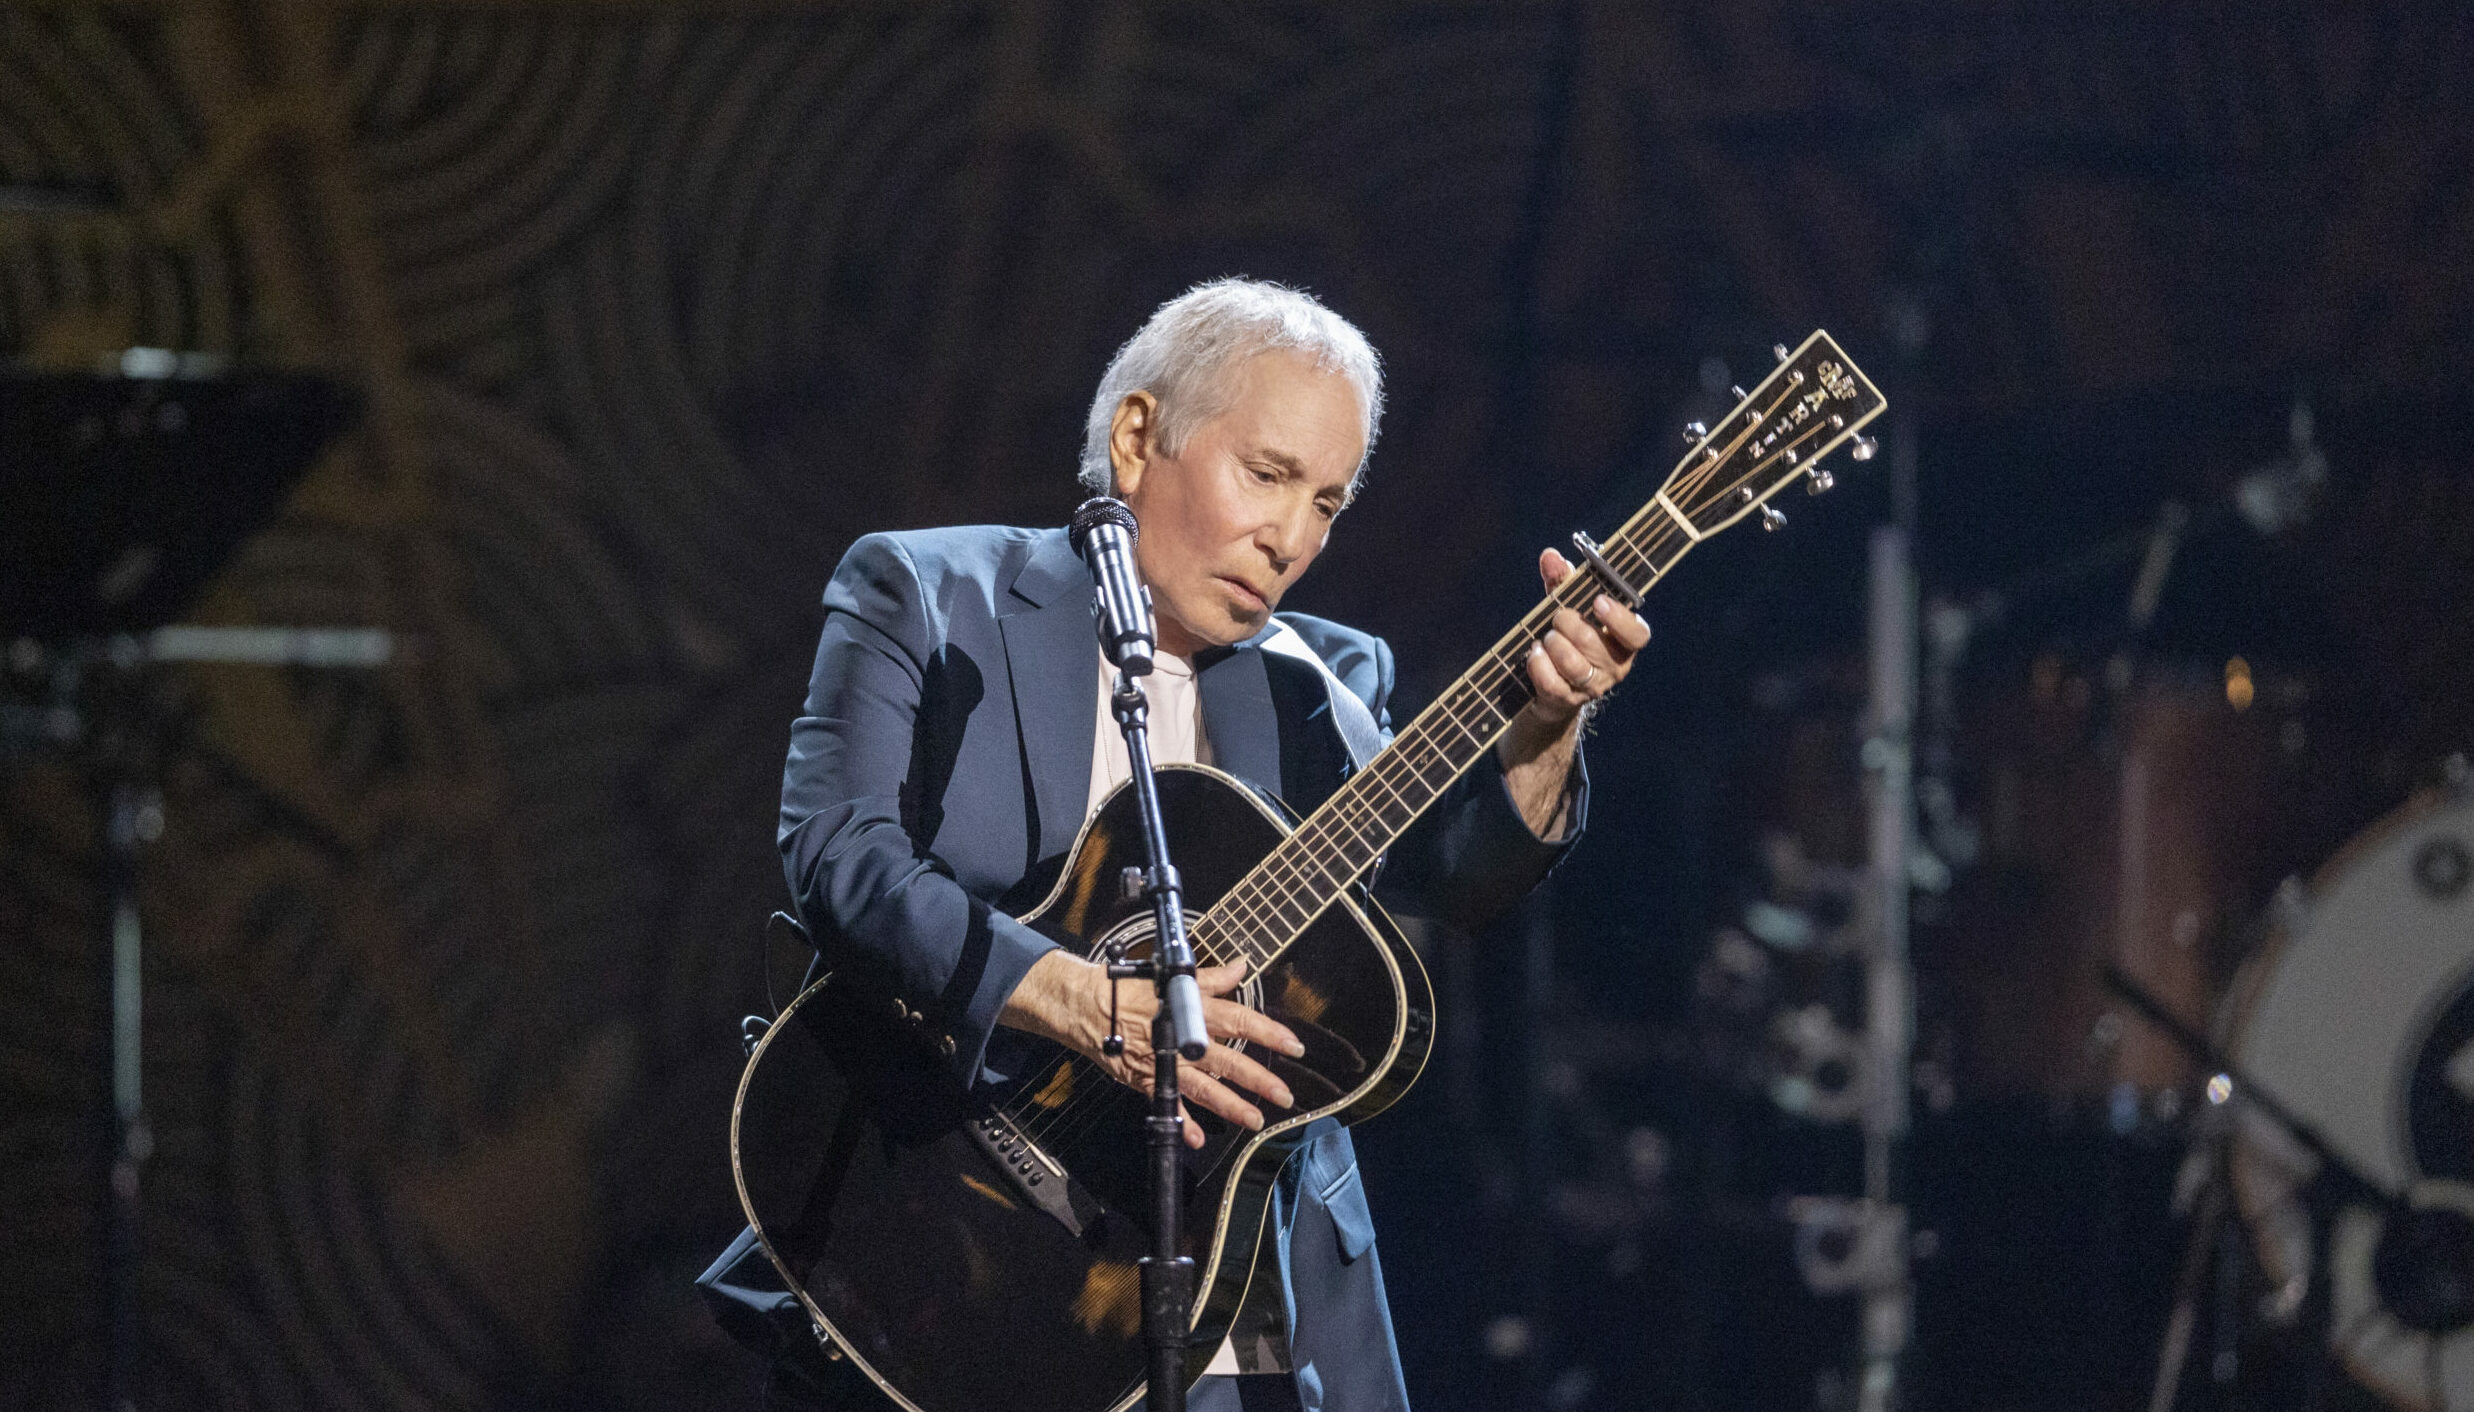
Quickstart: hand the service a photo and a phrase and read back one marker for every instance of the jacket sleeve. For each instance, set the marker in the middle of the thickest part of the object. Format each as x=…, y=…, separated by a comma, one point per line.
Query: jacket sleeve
x=1472, y=855
x=871, y=894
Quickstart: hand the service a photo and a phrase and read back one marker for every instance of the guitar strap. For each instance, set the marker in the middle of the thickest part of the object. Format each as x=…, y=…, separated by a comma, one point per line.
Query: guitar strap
x=1348, y=711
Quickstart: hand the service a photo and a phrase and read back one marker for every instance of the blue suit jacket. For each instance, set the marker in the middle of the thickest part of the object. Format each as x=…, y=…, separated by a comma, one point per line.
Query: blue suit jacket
x=945, y=752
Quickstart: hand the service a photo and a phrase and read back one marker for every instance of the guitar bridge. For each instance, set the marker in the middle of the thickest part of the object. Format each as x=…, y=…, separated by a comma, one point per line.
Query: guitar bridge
x=1030, y=1171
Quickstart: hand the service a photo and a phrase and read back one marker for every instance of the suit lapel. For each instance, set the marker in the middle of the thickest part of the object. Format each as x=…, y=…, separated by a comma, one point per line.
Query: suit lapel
x=1239, y=718
x=1053, y=658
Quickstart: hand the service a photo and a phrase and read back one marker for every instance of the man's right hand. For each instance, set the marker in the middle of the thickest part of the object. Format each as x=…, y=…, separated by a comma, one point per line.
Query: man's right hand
x=1065, y=998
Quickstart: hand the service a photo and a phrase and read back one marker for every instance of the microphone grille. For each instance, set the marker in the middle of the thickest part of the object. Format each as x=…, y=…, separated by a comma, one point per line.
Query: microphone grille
x=1097, y=511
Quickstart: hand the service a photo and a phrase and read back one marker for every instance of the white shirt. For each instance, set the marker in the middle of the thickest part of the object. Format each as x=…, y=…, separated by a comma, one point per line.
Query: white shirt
x=1176, y=720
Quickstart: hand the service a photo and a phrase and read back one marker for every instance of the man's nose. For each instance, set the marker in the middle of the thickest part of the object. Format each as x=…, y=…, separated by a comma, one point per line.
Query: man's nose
x=1288, y=539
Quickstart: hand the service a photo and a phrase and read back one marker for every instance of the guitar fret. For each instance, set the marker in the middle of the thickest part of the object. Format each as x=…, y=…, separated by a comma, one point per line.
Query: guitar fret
x=1378, y=774
x=1369, y=806
x=1435, y=755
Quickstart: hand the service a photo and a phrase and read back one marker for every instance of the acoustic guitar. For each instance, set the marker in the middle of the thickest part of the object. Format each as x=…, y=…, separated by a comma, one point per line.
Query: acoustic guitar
x=975, y=1249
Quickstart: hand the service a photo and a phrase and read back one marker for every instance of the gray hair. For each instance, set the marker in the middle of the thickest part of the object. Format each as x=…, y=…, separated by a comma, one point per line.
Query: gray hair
x=1183, y=354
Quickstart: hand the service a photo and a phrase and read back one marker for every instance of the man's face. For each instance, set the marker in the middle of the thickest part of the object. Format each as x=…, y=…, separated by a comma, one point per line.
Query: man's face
x=1235, y=517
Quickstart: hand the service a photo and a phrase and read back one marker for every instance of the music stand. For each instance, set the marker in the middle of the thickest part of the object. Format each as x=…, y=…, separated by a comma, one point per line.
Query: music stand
x=120, y=497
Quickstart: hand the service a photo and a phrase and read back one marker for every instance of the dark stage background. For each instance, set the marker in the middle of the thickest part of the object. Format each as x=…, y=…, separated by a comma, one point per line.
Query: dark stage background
x=653, y=308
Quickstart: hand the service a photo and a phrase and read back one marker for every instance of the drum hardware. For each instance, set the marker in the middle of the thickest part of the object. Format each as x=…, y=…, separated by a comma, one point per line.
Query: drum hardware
x=1772, y=988
x=2160, y=878
x=2339, y=1127
x=2230, y=1091
x=2441, y=867
x=1823, y=1070
x=2361, y=1012
x=1849, y=1245
x=2228, y=1083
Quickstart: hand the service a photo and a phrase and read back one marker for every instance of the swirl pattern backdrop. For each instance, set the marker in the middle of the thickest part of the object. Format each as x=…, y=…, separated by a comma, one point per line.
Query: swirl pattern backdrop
x=655, y=307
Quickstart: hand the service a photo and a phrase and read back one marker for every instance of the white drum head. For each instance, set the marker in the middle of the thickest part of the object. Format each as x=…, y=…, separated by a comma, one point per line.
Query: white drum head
x=2359, y=1015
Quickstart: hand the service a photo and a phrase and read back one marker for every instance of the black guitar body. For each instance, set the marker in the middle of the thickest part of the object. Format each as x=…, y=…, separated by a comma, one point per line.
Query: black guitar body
x=976, y=1251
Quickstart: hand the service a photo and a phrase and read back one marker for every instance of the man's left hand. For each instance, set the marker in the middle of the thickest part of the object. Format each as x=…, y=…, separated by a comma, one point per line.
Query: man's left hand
x=1578, y=661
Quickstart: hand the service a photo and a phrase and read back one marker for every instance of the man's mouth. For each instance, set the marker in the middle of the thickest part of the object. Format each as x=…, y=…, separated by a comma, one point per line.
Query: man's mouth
x=1246, y=596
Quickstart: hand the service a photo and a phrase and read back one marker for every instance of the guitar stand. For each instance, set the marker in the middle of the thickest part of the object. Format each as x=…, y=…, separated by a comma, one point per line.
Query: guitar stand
x=1176, y=1028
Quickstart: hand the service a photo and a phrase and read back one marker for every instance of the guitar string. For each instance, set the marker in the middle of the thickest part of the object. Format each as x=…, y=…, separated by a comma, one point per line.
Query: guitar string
x=1251, y=911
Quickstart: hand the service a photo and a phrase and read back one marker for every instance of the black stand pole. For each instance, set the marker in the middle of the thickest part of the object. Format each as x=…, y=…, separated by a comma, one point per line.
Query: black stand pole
x=1167, y=1276
x=1176, y=1027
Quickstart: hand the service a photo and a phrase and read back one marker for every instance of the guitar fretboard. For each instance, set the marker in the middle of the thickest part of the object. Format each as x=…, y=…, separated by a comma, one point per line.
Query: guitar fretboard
x=1267, y=910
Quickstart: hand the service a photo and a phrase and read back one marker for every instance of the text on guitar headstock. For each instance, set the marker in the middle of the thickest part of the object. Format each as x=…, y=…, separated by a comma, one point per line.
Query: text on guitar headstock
x=1812, y=402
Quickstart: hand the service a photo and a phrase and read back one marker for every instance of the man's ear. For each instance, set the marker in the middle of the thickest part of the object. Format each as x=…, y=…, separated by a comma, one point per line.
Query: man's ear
x=1133, y=435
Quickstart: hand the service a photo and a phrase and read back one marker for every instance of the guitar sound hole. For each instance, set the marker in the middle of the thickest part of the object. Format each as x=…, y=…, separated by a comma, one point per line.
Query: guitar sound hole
x=1136, y=932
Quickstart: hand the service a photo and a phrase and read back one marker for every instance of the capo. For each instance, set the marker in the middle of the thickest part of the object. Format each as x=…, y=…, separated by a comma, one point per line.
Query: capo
x=1614, y=581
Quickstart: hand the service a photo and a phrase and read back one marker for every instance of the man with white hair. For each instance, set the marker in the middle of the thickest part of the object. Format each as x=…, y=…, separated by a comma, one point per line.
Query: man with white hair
x=956, y=735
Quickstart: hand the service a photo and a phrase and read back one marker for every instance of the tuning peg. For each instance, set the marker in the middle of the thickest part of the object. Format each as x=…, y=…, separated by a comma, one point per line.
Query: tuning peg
x=1863, y=448
x=1781, y=350
x=1817, y=480
x=1773, y=518
x=1695, y=433
x=1736, y=392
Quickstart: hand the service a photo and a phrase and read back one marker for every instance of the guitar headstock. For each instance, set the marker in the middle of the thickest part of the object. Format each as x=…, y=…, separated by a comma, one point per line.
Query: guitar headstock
x=1814, y=401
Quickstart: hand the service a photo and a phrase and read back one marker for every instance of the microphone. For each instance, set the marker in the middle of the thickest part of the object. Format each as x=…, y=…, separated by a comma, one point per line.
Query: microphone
x=1103, y=533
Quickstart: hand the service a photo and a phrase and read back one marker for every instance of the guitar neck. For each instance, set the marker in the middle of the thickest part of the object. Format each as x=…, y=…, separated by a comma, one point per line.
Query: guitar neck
x=1814, y=401
x=1272, y=905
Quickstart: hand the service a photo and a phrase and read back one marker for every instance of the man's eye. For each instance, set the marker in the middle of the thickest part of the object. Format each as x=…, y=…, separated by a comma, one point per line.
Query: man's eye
x=1262, y=475
x=1327, y=509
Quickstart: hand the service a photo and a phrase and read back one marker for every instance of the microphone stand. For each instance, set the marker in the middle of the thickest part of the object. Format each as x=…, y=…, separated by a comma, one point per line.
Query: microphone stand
x=1176, y=1027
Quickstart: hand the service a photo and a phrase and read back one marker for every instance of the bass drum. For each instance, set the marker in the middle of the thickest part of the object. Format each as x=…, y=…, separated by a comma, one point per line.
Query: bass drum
x=2359, y=1015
